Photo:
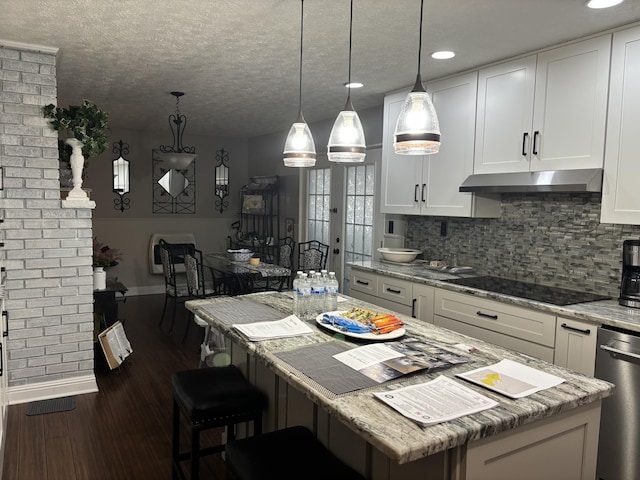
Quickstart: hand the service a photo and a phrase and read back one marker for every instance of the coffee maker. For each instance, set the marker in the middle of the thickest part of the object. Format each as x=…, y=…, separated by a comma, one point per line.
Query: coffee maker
x=630, y=286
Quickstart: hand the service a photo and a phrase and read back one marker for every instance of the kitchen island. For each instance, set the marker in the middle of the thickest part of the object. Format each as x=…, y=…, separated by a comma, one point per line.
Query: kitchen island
x=550, y=434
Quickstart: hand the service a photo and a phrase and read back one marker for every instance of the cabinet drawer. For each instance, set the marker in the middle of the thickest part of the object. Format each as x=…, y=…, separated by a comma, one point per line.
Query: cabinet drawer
x=529, y=348
x=364, y=282
x=495, y=316
x=395, y=290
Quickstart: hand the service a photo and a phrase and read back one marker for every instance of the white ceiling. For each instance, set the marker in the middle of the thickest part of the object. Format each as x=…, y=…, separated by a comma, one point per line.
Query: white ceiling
x=237, y=60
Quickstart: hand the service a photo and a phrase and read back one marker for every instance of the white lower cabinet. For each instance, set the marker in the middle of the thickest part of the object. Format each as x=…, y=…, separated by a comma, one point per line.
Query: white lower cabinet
x=576, y=344
x=567, y=342
x=402, y=296
x=531, y=448
x=521, y=329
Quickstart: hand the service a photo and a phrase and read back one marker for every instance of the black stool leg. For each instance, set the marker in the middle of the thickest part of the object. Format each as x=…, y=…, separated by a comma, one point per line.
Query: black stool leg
x=175, y=442
x=195, y=453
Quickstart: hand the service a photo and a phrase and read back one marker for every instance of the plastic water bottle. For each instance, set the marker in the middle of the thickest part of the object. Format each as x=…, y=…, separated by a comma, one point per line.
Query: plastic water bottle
x=297, y=308
x=317, y=295
x=305, y=297
x=332, y=287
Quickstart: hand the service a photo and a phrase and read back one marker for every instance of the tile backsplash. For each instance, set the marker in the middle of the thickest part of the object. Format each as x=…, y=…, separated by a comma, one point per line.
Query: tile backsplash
x=553, y=239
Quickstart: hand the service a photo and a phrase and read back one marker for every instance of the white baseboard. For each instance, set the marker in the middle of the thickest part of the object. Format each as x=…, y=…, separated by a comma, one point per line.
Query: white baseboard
x=64, y=387
x=145, y=290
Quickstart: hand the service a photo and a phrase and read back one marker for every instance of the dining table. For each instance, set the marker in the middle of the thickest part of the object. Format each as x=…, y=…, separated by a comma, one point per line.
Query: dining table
x=242, y=277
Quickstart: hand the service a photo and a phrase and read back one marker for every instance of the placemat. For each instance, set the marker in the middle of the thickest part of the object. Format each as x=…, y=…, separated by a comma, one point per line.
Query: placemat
x=316, y=362
x=243, y=311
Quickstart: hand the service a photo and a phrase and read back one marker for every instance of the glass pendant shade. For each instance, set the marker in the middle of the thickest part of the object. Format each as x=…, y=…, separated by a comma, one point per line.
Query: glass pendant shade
x=417, y=129
x=346, y=141
x=299, y=148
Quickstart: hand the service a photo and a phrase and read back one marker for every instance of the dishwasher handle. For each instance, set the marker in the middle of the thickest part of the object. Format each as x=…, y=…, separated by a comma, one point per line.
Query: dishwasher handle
x=620, y=352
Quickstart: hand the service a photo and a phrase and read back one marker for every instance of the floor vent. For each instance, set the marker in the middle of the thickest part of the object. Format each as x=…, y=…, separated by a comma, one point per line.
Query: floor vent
x=52, y=405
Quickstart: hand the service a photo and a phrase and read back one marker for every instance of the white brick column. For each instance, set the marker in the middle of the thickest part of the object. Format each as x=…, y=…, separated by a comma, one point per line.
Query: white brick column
x=48, y=248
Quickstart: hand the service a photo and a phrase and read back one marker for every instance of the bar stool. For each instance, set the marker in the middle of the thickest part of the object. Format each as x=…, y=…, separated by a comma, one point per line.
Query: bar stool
x=288, y=454
x=209, y=398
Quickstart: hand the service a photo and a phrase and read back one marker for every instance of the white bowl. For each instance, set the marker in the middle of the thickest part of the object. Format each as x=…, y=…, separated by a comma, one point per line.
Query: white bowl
x=240, y=255
x=401, y=255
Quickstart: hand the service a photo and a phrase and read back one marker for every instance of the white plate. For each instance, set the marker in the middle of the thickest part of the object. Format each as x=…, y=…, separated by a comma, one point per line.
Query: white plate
x=363, y=336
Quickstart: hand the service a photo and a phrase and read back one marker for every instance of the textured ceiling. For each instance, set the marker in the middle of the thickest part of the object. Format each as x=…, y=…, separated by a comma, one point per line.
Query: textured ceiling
x=237, y=60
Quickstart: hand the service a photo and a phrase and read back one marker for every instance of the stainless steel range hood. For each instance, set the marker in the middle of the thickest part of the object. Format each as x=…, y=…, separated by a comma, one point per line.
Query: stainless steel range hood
x=585, y=180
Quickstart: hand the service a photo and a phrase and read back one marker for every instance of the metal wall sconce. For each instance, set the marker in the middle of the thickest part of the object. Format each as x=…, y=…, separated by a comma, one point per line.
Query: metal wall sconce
x=120, y=175
x=221, y=177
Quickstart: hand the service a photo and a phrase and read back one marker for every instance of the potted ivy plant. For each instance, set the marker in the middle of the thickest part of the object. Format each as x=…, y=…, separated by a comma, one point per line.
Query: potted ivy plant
x=86, y=127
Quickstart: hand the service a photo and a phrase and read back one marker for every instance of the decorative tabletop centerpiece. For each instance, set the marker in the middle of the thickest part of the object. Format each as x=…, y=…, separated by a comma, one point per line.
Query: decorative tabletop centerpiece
x=86, y=125
x=104, y=256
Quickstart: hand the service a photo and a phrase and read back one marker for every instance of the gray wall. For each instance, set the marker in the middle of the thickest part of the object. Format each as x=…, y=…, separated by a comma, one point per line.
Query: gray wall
x=129, y=231
x=553, y=239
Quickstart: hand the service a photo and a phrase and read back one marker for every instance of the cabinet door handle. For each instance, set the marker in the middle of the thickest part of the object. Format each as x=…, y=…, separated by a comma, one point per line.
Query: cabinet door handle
x=5, y=318
x=1, y=364
x=415, y=193
x=424, y=187
x=536, y=134
x=487, y=315
x=361, y=282
x=524, y=143
x=586, y=331
x=391, y=290
x=413, y=308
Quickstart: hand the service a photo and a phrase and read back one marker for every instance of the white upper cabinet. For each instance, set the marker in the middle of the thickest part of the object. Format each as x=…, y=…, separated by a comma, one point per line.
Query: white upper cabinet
x=620, y=199
x=545, y=111
x=505, y=111
x=428, y=185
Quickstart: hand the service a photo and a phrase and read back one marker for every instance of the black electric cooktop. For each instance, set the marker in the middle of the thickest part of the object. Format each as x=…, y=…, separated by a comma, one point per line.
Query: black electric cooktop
x=530, y=291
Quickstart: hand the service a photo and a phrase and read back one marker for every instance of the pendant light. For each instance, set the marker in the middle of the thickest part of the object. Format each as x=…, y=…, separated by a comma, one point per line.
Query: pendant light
x=346, y=141
x=299, y=149
x=177, y=156
x=417, y=129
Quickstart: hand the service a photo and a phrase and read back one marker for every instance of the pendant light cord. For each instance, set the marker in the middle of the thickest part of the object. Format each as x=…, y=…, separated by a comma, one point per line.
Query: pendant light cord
x=350, y=41
x=301, y=37
x=420, y=37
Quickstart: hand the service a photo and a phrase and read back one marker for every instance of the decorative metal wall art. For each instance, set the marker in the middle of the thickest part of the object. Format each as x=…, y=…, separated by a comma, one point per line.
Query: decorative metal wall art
x=221, y=177
x=121, y=178
x=174, y=189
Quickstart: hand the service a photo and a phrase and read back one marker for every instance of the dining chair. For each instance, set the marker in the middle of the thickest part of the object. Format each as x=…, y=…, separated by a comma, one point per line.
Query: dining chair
x=198, y=285
x=312, y=255
x=286, y=251
x=175, y=284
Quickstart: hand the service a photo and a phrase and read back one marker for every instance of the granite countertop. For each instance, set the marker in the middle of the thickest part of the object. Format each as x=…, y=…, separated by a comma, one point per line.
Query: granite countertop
x=396, y=436
x=605, y=312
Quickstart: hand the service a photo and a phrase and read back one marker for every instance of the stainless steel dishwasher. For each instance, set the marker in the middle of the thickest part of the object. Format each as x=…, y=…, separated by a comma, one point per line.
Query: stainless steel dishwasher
x=618, y=362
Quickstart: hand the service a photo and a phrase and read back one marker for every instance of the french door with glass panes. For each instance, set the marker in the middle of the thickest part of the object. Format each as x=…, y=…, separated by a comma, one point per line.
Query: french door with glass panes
x=341, y=210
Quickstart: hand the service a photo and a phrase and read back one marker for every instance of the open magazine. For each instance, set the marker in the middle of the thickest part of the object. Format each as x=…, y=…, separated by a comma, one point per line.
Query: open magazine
x=386, y=361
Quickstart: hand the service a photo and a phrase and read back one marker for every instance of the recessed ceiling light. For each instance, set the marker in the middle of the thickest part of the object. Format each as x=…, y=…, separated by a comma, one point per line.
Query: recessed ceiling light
x=354, y=85
x=603, y=3
x=443, y=55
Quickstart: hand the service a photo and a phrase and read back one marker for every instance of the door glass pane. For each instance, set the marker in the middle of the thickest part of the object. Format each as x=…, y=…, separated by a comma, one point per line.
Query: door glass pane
x=318, y=191
x=359, y=212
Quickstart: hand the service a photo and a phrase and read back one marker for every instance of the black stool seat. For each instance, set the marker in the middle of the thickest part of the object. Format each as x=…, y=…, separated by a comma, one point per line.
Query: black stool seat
x=208, y=398
x=289, y=454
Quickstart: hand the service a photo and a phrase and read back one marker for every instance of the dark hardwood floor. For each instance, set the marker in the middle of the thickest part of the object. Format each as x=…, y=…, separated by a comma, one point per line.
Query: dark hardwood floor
x=124, y=430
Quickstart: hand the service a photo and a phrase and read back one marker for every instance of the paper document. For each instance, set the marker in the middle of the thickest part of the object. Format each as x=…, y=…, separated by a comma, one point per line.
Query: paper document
x=290, y=326
x=512, y=379
x=439, y=400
